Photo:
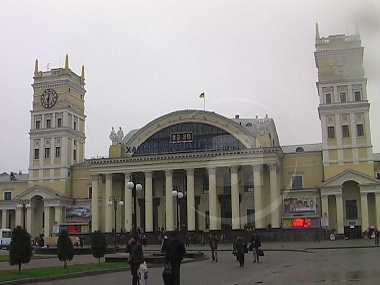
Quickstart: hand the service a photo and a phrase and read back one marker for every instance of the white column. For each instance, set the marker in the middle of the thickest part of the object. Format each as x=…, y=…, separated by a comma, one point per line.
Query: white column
x=169, y=200
x=29, y=218
x=108, y=209
x=4, y=218
x=148, y=202
x=212, y=198
x=258, y=199
x=339, y=213
x=47, y=222
x=275, y=198
x=94, y=203
x=235, y=198
x=19, y=216
x=190, y=200
x=377, y=209
x=364, y=207
x=128, y=204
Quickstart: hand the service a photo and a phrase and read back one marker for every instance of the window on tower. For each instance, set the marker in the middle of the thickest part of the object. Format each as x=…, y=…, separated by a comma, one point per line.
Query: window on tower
x=48, y=123
x=360, y=130
x=328, y=98
x=36, y=153
x=358, y=96
x=343, y=97
x=331, y=132
x=58, y=152
x=47, y=152
x=345, y=131
x=59, y=122
x=38, y=125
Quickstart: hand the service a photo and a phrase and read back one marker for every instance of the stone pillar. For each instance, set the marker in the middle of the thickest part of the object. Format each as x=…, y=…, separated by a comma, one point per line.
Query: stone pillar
x=94, y=203
x=339, y=213
x=47, y=222
x=108, y=209
x=128, y=206
x=212, y=198
x=148, y=202
x=364, y=208
x=258, y=199
x=275, y=198
x=190, y=200
x=325, y=209
x=377, y=207
x=169, y=200
x=235, y=198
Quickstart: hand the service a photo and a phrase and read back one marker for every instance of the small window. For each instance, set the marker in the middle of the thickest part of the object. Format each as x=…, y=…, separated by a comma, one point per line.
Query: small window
x=75, y=125
x=58, y=152
x=59, y=122
x=328, y=98
x=345, y=132
x=297, y=182
x=343, y=97
x=360, y=130
x=358, y=96
x=48, y=124
x=47, y=152
x=330, y=132
x=75, y=142
x=300, y=149
x=89, y=195
x=7, y=195
x=75, y=154
x=36, y=153
x=38, y=125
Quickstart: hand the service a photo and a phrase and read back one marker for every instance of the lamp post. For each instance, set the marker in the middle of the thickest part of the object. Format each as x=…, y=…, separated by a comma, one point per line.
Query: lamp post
x=132, y=185
x=23, y=203
x=113, y=201
x=178, y=195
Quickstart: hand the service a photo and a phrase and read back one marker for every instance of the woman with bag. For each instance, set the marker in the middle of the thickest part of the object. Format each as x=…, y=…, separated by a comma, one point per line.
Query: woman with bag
x=135, y=258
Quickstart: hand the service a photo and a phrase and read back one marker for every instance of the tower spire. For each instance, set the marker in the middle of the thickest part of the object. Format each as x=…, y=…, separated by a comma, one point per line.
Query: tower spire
x=317, y=37
x=36, y=67
x=67, y=62
x=82, y=75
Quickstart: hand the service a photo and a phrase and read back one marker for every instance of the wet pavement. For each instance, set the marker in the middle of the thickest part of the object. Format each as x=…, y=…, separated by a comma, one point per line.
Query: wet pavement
x=337, y=262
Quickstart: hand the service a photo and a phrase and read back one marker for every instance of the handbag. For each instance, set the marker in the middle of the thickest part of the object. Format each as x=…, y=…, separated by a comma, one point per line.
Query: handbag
x=167, y=275
x=142, y=272
x=261, y=252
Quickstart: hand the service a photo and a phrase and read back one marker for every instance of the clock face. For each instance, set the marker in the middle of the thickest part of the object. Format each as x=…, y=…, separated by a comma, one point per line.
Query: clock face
x=48, y=98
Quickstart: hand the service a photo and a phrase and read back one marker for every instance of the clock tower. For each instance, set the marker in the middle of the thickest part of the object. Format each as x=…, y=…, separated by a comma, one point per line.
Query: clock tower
x=343, y=104
x=57, y=131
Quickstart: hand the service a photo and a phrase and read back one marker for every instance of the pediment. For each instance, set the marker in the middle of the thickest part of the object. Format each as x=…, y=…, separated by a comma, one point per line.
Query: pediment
x=45, y=192
x=349, y=175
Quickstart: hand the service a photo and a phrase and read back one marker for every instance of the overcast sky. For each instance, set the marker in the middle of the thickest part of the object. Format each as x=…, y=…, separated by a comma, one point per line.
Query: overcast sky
x=144, y=59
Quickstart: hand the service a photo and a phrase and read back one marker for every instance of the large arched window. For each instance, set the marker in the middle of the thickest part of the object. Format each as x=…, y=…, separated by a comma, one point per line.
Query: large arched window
x=188, y=137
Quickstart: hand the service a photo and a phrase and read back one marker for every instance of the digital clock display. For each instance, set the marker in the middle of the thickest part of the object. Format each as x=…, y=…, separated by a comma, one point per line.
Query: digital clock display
x=181, y=137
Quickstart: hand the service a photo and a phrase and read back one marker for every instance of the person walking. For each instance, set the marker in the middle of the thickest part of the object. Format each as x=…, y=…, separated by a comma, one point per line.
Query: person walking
x=255, y=244
x=175, y=251
x=214, y=247
x=241, y=249
x=135, y=258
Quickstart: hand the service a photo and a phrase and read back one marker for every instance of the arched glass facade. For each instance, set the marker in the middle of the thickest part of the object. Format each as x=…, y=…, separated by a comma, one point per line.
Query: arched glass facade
x=188, y=137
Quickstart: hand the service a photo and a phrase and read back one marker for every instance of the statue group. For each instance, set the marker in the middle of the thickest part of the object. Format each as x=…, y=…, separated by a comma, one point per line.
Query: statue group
x=116, y=137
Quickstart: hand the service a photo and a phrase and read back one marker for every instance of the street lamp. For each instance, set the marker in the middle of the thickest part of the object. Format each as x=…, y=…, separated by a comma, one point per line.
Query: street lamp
x=132, y=185
x=23, y=203
x=178, y=195
x=113, y=201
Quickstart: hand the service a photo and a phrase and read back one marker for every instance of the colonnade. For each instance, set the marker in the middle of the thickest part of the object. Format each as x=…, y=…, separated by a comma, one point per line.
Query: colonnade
x=262, y=209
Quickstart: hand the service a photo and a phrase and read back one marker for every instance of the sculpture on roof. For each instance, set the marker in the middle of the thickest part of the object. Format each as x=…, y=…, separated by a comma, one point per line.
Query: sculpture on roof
x=113, y=137
x=120, y=135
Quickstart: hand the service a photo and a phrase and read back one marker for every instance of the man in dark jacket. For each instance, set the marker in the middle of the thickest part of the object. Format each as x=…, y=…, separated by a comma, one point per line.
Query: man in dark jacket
x=256, y=244
x=214, y=247
x=175, y=251
x=135, y=258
